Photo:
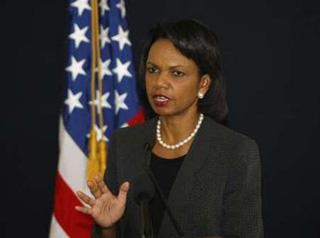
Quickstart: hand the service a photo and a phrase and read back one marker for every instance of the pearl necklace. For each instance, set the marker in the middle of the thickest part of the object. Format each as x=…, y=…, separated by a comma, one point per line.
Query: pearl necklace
x=181, y=143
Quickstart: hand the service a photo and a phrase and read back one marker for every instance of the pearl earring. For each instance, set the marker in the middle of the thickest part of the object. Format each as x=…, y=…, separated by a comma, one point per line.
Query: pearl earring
x=200, y=95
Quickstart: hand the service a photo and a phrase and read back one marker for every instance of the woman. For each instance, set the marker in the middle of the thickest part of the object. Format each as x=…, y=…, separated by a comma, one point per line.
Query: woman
x=209, y=174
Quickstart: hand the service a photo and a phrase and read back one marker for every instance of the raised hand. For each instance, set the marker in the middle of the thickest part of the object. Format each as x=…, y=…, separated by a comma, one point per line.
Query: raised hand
x=106, y=209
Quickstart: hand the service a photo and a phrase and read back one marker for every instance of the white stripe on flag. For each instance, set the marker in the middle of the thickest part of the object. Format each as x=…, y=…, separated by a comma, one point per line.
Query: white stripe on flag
x=72, y=162
x=55, y=229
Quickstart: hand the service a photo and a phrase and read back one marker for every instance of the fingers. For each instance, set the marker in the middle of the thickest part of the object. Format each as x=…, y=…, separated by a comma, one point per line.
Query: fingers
x=86, y=199
x=94, y=189
x=123, y=192
x=98, y=187
x=102, y=186
x=85, y=210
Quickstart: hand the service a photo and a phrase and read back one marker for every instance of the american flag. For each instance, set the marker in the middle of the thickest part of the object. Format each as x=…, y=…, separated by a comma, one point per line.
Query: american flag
x=118, y=103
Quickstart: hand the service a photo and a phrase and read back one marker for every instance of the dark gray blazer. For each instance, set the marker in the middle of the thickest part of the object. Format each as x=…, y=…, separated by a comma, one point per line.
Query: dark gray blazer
x=217, y=190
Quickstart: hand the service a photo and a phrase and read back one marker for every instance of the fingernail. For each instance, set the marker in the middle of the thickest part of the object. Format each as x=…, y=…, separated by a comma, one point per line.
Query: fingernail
x=127, y=185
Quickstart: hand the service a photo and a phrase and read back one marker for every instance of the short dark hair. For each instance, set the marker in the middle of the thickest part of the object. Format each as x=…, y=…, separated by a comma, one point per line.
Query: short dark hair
x=195, y=41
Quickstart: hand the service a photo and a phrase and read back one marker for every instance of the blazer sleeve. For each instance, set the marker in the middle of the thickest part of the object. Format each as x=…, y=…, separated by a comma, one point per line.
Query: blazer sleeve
x=242, y=206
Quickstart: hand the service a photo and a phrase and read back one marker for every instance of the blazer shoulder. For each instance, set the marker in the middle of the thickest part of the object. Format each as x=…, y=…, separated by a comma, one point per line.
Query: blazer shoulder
x=232, y=142
x=226, y=132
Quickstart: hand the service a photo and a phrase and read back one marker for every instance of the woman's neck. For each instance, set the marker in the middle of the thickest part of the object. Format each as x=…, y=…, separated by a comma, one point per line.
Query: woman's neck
x=178, y=127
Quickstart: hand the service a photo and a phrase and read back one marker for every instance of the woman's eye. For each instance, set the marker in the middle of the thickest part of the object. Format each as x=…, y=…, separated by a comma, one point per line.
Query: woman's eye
x=178, y=73
x=151, y=70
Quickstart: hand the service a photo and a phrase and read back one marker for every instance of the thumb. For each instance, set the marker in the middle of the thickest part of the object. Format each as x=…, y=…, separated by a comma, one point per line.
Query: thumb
x=123, y=192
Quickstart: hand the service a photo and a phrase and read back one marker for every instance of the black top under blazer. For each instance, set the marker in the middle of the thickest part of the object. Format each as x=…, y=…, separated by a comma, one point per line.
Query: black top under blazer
x=217, y=190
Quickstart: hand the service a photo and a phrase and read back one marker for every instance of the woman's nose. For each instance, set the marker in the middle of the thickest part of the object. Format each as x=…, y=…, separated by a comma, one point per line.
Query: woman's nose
x=162, y=79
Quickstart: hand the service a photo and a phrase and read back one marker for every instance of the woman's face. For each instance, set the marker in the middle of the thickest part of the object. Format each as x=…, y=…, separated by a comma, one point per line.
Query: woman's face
x=172, y=80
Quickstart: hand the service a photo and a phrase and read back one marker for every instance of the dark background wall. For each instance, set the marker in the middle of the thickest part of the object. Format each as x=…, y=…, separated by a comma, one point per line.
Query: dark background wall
x=272, y=62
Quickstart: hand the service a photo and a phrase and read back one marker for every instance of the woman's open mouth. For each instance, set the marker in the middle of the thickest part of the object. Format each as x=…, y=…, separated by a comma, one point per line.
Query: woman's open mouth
x=160, y=100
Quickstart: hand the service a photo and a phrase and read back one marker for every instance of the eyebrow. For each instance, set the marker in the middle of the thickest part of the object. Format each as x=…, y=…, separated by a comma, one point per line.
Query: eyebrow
x=170, y=67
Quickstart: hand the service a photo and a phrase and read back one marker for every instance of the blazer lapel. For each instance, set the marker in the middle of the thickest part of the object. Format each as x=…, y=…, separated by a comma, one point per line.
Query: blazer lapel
x=182, y=186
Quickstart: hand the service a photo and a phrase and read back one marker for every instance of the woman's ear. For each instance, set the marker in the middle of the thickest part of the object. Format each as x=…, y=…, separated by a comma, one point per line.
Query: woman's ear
x=205, y=82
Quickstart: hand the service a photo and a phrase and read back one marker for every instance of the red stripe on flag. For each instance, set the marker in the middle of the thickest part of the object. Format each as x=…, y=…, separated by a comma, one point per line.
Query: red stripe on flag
x=74, y=223
x=137, y=118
